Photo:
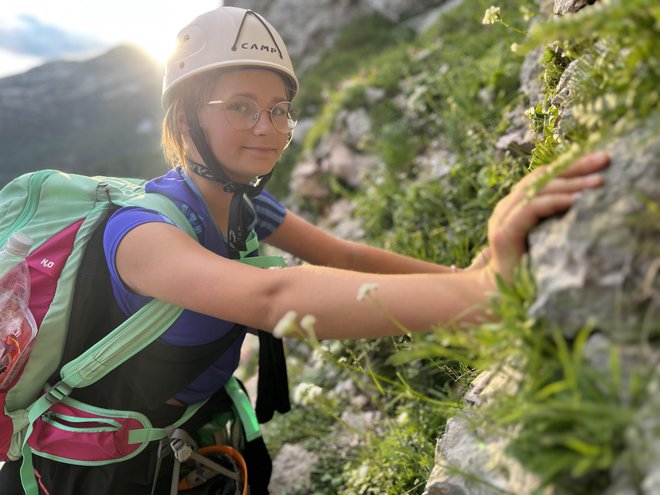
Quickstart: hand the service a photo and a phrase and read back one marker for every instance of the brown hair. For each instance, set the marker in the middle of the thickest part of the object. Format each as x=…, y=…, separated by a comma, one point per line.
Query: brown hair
x=196, y=89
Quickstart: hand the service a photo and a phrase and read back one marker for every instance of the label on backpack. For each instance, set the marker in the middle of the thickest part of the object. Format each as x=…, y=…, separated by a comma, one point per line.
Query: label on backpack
x=46, y=265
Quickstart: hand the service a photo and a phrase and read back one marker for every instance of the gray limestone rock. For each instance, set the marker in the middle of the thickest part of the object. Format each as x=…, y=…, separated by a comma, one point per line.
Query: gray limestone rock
x=570, y=6
x=470, y=457
x=292, y=470
x=597, y=263
x=308, y=27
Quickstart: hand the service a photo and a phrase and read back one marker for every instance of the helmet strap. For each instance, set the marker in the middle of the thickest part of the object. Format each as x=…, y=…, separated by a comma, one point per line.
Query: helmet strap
x=237, y=232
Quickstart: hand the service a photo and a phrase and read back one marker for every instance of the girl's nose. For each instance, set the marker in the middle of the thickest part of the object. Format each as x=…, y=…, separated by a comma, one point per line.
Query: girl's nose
x=264, y=123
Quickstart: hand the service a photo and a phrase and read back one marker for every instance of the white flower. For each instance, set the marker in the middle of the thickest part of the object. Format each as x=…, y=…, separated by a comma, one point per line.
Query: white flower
x=306, y=393
x=491, y=16
x=526, y=13
x=286, y=326
x=362, y=474
x=515, y=48
x=403, y=418
x=365, y=289
x=307, y=323
x=335, y=347
x=317, y=358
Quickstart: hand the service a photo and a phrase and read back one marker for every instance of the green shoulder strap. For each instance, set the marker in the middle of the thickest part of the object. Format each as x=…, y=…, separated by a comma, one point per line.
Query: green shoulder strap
x=133, y=335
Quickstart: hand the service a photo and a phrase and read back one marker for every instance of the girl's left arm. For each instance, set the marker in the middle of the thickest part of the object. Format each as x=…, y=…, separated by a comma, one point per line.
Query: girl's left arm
x=317, y=247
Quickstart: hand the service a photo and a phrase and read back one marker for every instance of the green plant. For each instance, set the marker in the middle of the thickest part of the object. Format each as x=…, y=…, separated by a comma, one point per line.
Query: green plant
x=359, y=41
x=451, y=88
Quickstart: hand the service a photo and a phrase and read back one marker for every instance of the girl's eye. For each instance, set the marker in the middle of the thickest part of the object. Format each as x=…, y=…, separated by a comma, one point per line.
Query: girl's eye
x=279, y=111
x=238, y=107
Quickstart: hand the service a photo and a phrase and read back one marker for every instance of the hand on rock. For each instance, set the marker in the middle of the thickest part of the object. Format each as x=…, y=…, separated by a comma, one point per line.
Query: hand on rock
x=516, y=214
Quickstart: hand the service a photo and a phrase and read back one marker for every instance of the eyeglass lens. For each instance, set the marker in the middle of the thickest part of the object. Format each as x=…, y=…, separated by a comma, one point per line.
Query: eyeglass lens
x=243, y=113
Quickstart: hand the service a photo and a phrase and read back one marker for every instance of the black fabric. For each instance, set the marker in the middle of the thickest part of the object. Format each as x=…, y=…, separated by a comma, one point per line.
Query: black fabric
x=146, y=381
x=94, y=312
x=10, y=481
x=273, y=385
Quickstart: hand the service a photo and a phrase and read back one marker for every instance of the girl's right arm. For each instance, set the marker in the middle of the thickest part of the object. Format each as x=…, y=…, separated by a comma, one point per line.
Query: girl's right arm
x=159, y=260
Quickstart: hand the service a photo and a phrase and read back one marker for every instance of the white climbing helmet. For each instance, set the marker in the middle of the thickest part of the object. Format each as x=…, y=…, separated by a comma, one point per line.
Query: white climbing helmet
x=226, y=37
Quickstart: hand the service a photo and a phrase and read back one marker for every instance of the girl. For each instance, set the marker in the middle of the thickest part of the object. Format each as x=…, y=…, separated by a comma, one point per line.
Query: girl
x=227, y=92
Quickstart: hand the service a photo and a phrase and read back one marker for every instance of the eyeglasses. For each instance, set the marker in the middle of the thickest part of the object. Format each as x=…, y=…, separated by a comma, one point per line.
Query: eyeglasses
x=243, y=113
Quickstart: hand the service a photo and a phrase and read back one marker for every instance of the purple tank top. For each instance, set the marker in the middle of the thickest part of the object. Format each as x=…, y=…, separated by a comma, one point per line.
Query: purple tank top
x=191, y=328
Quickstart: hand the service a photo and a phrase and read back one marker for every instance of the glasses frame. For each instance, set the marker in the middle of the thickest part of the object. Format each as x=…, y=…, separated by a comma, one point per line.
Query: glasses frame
x=260, y=110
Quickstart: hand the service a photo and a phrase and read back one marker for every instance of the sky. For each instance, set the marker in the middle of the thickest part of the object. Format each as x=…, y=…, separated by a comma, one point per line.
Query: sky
x=36, y=31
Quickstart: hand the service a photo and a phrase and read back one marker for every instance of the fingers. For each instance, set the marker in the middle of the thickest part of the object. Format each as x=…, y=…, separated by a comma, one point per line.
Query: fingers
x=508, y=234
x=572, y=184
x=587, y=164
x=525, y=216
x=580, y=175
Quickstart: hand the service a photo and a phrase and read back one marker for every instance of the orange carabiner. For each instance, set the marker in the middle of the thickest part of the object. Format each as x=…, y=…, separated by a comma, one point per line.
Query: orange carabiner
x=235, y=455
x=228, y=451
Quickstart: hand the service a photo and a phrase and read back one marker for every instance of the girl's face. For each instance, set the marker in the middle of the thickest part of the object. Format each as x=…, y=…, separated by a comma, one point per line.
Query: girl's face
x=251, y=152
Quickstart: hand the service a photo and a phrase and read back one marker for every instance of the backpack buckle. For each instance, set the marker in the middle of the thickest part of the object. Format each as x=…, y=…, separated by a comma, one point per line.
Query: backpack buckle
x=58, y=392
x=182, y=449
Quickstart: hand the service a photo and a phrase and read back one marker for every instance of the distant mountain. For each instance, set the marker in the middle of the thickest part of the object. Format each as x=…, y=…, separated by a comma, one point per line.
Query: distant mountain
x=100, y=116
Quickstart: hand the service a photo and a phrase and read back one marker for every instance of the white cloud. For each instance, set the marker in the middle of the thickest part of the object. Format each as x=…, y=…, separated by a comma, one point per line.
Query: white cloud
x=74, y=27
x=14, y=63
x=27, y=35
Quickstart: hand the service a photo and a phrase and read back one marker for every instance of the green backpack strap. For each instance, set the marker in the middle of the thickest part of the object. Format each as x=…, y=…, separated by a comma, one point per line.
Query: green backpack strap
x=252, y=244
x=244, y=409
x=241, y=403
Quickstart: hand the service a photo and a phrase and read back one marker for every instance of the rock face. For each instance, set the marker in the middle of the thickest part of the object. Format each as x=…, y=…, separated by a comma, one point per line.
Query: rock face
x=596, y=265
x=600, y=259
x=308, y=27
x=570, y=6
x=465, y=450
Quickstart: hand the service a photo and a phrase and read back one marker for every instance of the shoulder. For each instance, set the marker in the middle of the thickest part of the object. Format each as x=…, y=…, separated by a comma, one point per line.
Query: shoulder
x=126, y=219
x=269, y=214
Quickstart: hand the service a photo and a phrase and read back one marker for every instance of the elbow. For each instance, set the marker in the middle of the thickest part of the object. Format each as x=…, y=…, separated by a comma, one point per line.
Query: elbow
x=270, y=300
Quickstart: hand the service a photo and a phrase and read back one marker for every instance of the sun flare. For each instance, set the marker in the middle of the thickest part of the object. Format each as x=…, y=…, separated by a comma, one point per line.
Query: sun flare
x=157, y=37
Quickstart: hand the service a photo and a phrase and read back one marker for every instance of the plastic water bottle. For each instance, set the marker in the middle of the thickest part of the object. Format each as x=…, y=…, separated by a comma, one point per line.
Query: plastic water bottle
x=17, y=325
